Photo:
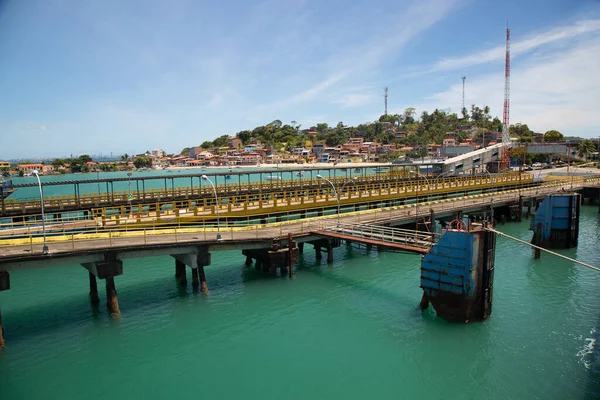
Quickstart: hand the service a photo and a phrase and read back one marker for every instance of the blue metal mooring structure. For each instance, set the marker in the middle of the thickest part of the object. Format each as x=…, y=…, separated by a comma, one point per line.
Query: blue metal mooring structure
x=457, y=275
x=556, y=222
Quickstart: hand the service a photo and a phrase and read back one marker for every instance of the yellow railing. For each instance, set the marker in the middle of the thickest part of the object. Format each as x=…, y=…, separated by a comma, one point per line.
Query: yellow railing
x=372, y=182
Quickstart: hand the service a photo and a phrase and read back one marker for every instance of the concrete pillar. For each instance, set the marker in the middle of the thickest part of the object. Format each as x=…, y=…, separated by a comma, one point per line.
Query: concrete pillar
x=369, y=246
x=195, y=282
x=537, y=240
x=329, y=254
x=2, y=343
x=248, y=261
x=424, y=305
x=183, y=276
x=93, y=289
x=111, y=297
x=179, y=268
x=301, y=248
x=520, y=213
x=258, y=264
x=202, y=275
x=318, y=255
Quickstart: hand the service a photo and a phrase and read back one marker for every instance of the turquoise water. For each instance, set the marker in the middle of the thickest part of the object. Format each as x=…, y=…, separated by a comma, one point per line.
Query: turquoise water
x=347, y=330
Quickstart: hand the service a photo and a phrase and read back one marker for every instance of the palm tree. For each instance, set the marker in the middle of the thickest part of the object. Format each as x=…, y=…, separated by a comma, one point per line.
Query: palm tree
x=586, y=147
x=125, y=157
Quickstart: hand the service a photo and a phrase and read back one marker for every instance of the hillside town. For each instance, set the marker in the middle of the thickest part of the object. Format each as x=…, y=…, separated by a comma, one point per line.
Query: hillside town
x=395, y=137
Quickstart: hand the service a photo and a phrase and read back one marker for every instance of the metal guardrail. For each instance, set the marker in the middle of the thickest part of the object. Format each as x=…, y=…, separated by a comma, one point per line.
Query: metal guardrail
x=203, y=196
x=385, y=234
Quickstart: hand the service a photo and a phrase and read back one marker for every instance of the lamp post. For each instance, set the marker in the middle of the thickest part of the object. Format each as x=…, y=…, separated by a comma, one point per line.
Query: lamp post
x=44, y=248
x=337, y=195
x=129, y=191
x=442, y=174
x=419, y=175
x=204, y=177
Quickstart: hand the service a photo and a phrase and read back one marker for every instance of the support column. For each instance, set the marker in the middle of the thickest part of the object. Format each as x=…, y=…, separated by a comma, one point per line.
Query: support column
x=179, y=268
x=258, y=264
x=301, y=248
x=329, y=254
x=202, y=275
x=4, y=285
x=369, y=246
x=290, y=255
x=93, y=289
x=424, y=305
x=318, y=255
x=248, y=261
x=183, y=276
x=2, y=343
x=537, y=240
x=520, y=213
x=111, y=297
x=195, y=282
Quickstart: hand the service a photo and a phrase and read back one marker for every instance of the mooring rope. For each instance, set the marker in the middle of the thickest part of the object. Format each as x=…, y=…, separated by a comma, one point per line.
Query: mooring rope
x=541, y=248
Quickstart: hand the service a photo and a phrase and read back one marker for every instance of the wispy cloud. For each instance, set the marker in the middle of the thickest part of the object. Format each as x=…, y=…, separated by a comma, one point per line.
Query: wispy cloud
x=360, y=61
x=519, y=47
x=350, y=100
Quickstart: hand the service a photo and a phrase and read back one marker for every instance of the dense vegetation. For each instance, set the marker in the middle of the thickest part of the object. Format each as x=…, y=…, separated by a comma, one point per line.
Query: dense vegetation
x=428, y=128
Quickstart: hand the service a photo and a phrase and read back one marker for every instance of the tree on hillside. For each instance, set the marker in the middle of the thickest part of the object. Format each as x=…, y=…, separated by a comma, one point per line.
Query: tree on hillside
x=221, y=141
x=206, y=144
x=276, y=124
x=58, y=162
x=586, y=147
x=142, y=162
x=553, y=136
x=244, y=136
x=85, y=158
x=322, y=127
x=185, y=151
x=409, y=116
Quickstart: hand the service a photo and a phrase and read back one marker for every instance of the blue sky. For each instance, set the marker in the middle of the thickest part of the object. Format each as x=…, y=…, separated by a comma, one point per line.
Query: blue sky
x=93, y=77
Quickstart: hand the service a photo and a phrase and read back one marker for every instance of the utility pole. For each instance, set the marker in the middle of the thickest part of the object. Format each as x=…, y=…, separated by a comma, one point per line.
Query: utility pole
x=463, y=94
x=385, y=96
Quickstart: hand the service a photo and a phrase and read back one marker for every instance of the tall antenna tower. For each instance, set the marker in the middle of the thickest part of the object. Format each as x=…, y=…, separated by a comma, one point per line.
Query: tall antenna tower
x=385, y=96
x=506, y=112
x=463, y=95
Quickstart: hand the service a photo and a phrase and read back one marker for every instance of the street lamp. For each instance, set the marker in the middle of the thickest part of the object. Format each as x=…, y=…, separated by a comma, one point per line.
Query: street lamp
x=419, y=175
x=44, y=248
x=204, y=177
x=129, y=191
x=451, y=171
x=337, y=195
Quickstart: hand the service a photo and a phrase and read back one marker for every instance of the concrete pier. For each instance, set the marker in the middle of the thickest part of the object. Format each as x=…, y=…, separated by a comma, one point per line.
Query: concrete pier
x=112, y=301
x=93, y=289
x=202, y=276
x=329, y=254
x=179, y=268
x=195, y=281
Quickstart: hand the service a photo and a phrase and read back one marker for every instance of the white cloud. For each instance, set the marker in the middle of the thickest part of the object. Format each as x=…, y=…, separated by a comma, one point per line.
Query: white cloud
x=557, y=91
x=518, y=47
x=350, y=100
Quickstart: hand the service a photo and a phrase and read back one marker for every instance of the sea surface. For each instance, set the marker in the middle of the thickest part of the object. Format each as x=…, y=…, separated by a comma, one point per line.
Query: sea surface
x=347, y=330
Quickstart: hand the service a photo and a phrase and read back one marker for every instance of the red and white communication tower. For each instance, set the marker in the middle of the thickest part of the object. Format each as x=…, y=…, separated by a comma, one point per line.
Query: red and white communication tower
x=506, y=112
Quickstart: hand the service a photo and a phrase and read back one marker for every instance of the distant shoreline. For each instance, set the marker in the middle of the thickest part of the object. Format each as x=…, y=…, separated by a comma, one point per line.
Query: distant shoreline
x=288, y=166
